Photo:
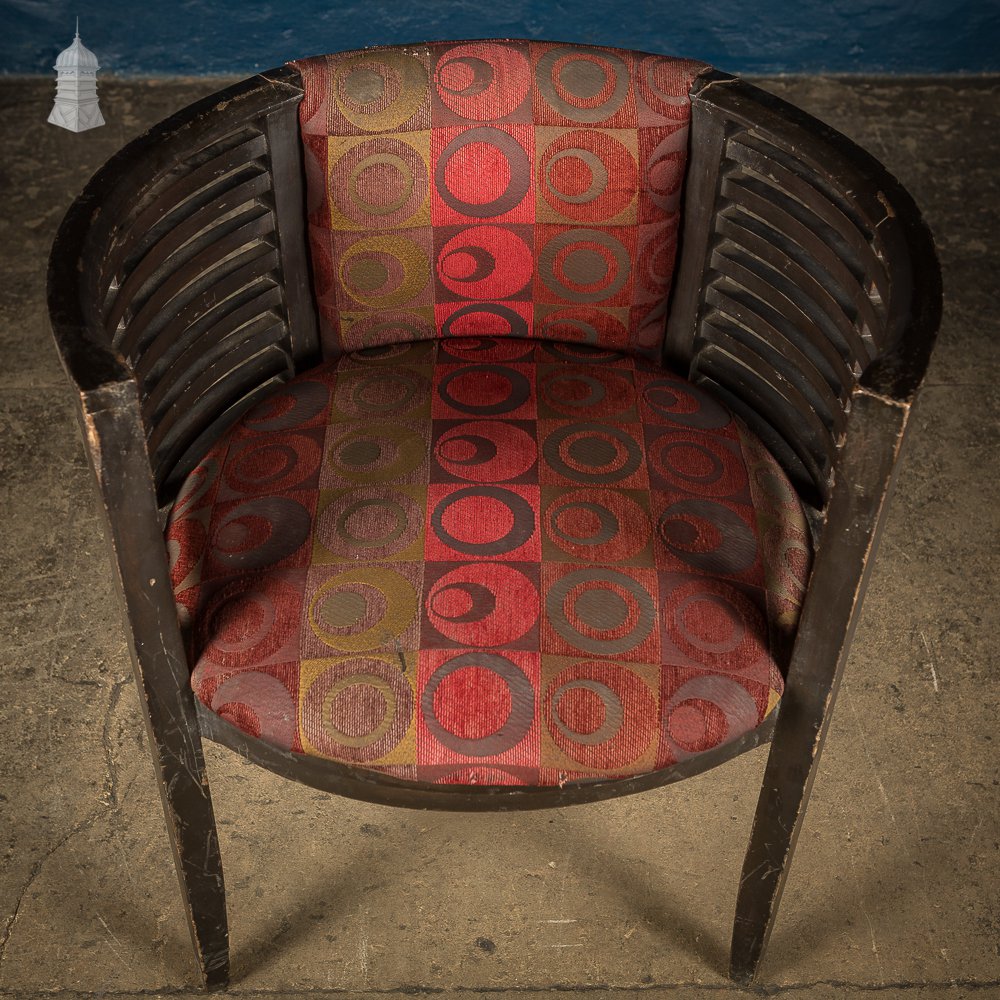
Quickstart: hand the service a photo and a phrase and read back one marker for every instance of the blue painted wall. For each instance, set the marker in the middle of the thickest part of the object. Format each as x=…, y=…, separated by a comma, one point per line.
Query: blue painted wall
x=189, y=37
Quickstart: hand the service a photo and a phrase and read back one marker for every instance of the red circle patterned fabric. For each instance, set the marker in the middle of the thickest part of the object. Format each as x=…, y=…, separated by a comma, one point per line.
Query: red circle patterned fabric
x=491, y=187
x=489, y=561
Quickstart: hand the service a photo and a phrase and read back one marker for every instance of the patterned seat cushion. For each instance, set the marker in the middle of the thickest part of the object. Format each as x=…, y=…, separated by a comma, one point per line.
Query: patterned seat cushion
x=477, y=188
x=489, y=561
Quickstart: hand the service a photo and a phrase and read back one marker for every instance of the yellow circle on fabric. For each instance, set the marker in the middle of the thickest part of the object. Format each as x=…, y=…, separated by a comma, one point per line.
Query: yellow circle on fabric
x=413, y=86
x=365, y=739
x=400, y=609
x=412, y=259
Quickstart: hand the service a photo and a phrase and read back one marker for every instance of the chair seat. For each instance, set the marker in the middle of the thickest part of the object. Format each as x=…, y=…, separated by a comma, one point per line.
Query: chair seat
x=489, y=561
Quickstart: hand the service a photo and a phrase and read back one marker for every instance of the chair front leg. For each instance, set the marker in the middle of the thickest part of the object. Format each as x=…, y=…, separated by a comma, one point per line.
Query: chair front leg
x=788, y=779
x=854, y=516
x=187, y=808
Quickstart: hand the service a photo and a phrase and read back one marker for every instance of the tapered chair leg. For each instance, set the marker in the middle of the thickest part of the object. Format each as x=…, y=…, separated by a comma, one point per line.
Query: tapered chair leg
x=112, y=415
x=187, y=807
x=781, y=807
x=843, y=563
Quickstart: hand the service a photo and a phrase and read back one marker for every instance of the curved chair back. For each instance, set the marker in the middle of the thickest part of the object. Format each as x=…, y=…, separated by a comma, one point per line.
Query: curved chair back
x=493, y=187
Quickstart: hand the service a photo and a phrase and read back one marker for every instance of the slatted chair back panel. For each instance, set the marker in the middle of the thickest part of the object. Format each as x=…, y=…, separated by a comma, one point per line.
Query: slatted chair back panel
x=201, y=282
x=490, y=188
x=791, y=296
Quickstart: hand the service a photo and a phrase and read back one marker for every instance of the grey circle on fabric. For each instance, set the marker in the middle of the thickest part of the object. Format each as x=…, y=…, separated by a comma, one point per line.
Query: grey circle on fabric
x=662, y=395
x=267, y=698
x=308, y=400
x=482, y=76
x=737, y=548
x=364, y=85
x=598, y=176
x=520, y=389
x=584, y=266
x=521, y=530
x=483, y=449
x=522, y=705
x=517, y=323
x=380, y=392
x=598, y=440
x=583, y=78
x=608, y=526
x=482, y=601
x=614, y=712
x=518, y=182
x=732, y=699
x=593, y=607
x=295, y=525
x=596, y=390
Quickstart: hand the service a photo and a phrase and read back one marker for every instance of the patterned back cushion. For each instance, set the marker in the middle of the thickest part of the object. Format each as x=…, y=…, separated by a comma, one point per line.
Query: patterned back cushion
x=489, y=188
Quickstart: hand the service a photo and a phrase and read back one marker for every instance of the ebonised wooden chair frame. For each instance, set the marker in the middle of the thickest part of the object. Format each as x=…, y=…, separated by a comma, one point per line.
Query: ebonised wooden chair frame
x=807, y=297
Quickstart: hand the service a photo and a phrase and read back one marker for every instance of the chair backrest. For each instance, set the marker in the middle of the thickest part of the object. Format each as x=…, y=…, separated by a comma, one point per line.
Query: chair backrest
x=494, y=187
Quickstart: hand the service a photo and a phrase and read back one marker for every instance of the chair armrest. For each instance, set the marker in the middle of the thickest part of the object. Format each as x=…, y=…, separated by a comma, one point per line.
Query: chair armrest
x=182, y=267
x=807, y=276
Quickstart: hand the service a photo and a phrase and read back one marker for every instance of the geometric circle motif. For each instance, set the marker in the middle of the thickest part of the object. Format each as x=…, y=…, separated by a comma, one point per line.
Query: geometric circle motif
x=496, y=154
x=463, y=674
x=704, y=712
x=292, y=406
x=601, y=611
x=699, y=464
x=480, y=83
x=484, y=390
x=379, y=183
x=664, y=171
x=584, y=265
x=485, y=262
x=362, y=609
x=588, y=326
x=371, y=522
x=491, y=348
x=584, y=86
x=248, y=621
x=658, y=84
x=489, y=319
x=259, y=704
x=384, y=271
x=715, y=624
x=485, y=451
x=600, y=526
x=272, y=464
x=575, y=173
x=586, y=390
x=198, y=483
x=601, y=714
x=708, y=536
x=378, y=92
x=384, y=328
x=376, y=452
x=367, y=393
x=593, y=453
x=357, y=710
x=656, y=261
x=682, y=403
x=259, y=533
x=482, y=604
x=483, y=521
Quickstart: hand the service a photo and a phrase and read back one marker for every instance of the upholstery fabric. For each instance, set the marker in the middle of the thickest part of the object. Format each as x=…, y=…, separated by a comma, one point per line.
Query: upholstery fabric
x=483, y=188
x=490, y=561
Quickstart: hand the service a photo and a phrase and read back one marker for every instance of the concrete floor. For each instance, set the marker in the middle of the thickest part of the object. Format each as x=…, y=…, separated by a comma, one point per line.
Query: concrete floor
x=896, y=885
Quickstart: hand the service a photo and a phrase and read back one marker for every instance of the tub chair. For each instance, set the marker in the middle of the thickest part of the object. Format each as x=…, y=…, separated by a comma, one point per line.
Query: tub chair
x=489, y=426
